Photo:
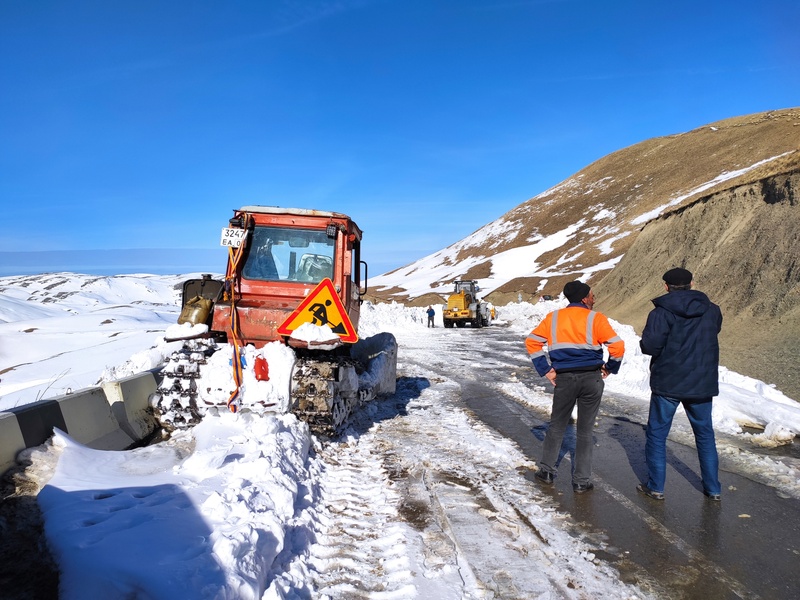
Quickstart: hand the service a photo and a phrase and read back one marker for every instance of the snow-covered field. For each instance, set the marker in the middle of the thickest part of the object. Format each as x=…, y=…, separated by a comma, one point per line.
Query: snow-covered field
x=249, y=506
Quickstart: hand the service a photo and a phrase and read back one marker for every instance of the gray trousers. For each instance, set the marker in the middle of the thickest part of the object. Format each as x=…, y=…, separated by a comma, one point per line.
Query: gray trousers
x=585, y=389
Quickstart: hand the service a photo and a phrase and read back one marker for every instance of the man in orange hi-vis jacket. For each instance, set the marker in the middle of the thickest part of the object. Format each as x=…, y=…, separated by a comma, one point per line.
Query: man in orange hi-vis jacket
x=574, y=337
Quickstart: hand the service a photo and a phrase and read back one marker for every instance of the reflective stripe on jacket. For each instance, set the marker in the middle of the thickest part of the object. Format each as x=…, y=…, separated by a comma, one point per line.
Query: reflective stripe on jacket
x=574, y=337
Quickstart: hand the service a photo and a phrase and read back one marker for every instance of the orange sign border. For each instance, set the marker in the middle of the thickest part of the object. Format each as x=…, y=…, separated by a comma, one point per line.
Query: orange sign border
x=351, y=335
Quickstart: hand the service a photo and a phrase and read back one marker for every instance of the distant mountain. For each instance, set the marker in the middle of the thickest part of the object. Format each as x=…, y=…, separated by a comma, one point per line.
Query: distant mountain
x=111, y=261
x=722, y=200
x=582, y=227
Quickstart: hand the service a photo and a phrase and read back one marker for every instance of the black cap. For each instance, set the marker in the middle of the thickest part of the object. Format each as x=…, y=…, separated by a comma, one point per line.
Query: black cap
x=677, y=276
x=575, y=291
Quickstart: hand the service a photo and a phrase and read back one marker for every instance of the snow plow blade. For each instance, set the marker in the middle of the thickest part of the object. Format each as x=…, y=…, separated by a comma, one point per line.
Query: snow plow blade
x=379, y=354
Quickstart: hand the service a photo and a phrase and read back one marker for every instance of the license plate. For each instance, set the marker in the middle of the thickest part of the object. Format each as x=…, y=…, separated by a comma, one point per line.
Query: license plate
x=232, y=237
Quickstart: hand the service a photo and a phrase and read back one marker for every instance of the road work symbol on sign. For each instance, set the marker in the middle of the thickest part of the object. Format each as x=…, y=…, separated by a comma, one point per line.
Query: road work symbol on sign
x=322, y=307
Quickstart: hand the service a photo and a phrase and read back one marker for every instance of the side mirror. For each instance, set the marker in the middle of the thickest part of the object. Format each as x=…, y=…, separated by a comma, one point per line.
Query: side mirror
x=365, y=272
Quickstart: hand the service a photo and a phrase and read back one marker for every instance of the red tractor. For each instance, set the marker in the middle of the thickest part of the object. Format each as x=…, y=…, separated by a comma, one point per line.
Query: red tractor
x=286, y=267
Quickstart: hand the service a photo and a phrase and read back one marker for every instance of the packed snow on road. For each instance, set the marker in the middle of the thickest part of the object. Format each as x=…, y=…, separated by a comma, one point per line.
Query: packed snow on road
x=418, y=499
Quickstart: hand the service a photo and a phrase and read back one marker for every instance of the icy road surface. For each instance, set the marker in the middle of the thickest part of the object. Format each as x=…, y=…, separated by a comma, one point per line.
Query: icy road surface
x=454, y=452
x=478, y=527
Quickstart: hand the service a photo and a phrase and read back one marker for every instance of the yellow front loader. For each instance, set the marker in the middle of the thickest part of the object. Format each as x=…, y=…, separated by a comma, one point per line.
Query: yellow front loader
x=464, y=306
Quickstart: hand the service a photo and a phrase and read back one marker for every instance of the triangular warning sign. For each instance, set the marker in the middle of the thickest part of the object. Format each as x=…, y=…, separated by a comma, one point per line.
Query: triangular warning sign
x=322, y=307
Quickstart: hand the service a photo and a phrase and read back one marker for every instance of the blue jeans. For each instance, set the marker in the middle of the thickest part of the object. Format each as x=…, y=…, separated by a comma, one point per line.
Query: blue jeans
x=585, y=389
x=662, y=409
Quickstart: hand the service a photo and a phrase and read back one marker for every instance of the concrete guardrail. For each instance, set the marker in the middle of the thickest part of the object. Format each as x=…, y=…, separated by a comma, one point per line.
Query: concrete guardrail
x=111, y=417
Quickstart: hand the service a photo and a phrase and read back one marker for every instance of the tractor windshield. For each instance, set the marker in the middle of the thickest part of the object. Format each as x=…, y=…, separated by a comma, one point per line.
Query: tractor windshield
x=284, y=254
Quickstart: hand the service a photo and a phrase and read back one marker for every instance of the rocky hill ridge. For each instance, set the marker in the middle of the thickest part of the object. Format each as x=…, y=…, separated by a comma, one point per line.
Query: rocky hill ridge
x=741, y=244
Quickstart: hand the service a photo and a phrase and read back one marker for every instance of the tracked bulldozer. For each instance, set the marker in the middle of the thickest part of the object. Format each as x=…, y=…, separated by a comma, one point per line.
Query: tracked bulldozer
x=286, y=269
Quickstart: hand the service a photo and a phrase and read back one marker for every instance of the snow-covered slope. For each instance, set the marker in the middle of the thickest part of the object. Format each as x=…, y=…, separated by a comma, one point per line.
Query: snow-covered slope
x=50, y=324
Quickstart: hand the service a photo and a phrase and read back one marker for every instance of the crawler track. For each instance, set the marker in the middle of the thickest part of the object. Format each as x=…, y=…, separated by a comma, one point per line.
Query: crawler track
x=324, y=390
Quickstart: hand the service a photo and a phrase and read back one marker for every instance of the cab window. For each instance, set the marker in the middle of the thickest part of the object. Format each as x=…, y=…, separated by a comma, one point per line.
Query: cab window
x=285, y=254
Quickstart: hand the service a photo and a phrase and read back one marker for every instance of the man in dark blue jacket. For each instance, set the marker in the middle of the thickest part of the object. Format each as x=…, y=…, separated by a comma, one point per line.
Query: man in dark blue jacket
x=681, y=337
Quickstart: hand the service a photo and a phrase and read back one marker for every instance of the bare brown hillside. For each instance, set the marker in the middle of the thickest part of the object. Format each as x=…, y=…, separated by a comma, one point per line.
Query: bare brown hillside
x=599, y=212
x=641, y=178
x=743, y=246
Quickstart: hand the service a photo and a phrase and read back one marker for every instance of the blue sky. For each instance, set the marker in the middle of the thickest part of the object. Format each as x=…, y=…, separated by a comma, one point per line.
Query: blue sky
x=141, y=124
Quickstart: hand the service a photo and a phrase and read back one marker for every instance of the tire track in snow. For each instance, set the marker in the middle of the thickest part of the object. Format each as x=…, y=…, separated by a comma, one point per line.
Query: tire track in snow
x=360, y=550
